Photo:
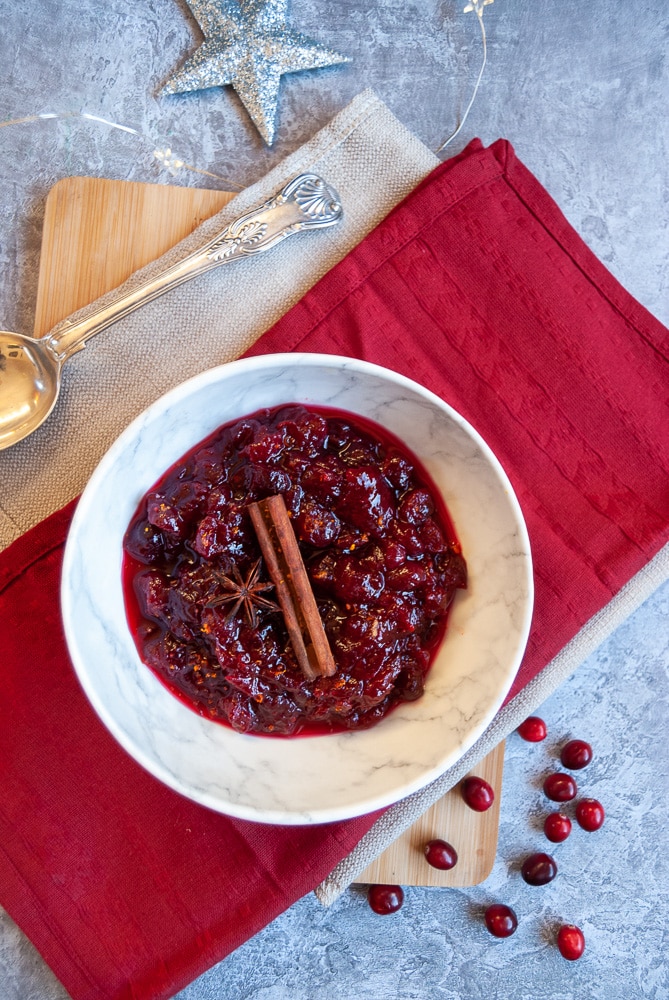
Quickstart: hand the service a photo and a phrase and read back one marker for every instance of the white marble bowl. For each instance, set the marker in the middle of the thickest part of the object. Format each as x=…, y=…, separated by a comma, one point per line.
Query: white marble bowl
x=307, y=779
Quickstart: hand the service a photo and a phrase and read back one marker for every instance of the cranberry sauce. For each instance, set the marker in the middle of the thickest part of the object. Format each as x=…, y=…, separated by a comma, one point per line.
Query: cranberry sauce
x=377, y=543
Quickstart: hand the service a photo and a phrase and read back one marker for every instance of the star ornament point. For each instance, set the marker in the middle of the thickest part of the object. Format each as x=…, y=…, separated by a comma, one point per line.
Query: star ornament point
x=249, y=47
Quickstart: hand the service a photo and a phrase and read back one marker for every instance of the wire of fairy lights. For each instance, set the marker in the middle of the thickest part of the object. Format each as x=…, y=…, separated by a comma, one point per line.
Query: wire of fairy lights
x=173, y=164
x=477, y=6
x=167, y=159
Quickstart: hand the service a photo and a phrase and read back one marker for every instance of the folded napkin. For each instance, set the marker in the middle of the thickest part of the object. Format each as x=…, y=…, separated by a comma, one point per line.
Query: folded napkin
x=476, y=286
x=371, y=160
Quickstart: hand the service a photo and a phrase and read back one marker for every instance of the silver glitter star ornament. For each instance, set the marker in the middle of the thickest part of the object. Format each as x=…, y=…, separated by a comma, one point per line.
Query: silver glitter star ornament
x=248, y=45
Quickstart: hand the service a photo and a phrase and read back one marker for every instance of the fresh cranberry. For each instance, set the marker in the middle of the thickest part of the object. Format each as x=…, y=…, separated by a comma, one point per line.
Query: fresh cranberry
x=590, y=814
x=539, y=869
x=560, y=787
x=500, y=920
x=477, y=793
x=441, y=855
x=576, y=754
x=571, y=942
x=385, y=899
x=533, y=729
x=557, y=827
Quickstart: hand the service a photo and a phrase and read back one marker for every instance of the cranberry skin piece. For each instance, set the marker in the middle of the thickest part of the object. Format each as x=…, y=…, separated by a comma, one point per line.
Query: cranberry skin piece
x=153, y=593
x=441, y=854
x=432, y=538
x=452, y=568
x=385, y=899
x=500, y=920
x=366, y=500
x=533, y=729
x=570, y=942
x=478, y=794
x=576, y=754
x=145, y=542
x=415, y=506
x=539, y=869
x=590, y=814
x=406, y=578
x=317, y=525
x=560, y=787
x=394, y=554
x=353, y=582
x=397, y=470
x=557, y=827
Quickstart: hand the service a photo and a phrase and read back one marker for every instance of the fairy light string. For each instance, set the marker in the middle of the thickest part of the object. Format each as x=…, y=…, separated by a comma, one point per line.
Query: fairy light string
x=477, y=6
x=171, y=162
x=167, y=159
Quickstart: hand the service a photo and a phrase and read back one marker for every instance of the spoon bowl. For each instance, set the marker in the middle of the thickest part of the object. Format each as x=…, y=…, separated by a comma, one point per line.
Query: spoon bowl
x=29, y=385
x=30, y=368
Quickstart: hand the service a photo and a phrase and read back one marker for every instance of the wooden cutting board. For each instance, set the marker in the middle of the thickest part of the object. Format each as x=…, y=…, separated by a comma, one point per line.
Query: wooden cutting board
x=96, y=233
x=472, y=834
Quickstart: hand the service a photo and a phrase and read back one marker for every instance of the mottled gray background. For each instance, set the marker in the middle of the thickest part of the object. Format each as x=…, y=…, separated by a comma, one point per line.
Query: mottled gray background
x=581, y=90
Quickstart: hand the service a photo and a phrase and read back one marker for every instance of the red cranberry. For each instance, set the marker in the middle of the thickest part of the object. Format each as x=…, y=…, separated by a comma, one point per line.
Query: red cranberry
x=441, y=855
x=560, y=787
x=385, y=899
x=590, y=814
x=500, y=920
x=477, y=793
x=557, y=827
x=539, y=869
x=571, y=942
x=533, y=729
x=576, y=754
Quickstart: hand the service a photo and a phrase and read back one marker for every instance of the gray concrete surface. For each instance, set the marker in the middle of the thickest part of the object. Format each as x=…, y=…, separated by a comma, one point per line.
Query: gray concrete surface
x=581, y=90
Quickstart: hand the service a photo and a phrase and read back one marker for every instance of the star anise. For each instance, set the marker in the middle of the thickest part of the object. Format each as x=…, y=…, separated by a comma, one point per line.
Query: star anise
x=244, y=593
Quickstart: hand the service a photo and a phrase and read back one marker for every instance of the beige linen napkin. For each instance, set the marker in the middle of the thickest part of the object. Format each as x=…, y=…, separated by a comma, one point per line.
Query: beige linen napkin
x=370, y=159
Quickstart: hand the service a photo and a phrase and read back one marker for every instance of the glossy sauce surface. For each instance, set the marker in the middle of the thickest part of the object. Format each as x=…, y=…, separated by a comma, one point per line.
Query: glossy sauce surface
x=380, y=551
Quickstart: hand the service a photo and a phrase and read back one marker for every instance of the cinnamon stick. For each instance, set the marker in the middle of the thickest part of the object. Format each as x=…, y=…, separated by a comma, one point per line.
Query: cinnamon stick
x=285, y=566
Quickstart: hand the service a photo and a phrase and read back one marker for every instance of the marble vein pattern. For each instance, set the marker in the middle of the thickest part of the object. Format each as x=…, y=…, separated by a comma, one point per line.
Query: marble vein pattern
x=313, y=779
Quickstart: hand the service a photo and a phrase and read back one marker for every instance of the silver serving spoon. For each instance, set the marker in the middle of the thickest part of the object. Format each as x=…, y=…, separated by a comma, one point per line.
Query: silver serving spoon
x=30, y=368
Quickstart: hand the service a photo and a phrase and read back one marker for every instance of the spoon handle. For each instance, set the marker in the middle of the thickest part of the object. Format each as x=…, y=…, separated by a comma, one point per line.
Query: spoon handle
x=307, y=202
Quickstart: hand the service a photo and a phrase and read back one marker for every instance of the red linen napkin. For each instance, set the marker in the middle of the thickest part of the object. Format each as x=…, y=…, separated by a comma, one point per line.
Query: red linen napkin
x=477, y=287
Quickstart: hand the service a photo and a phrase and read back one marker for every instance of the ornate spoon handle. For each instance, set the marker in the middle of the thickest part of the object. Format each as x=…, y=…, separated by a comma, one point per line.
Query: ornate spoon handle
x=307, y=202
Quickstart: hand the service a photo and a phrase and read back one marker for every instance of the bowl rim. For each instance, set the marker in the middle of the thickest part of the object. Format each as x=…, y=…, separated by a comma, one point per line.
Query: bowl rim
x=324, y=814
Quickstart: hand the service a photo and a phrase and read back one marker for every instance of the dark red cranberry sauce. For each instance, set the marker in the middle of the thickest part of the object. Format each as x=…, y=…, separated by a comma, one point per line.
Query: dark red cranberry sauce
x=379, y=548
